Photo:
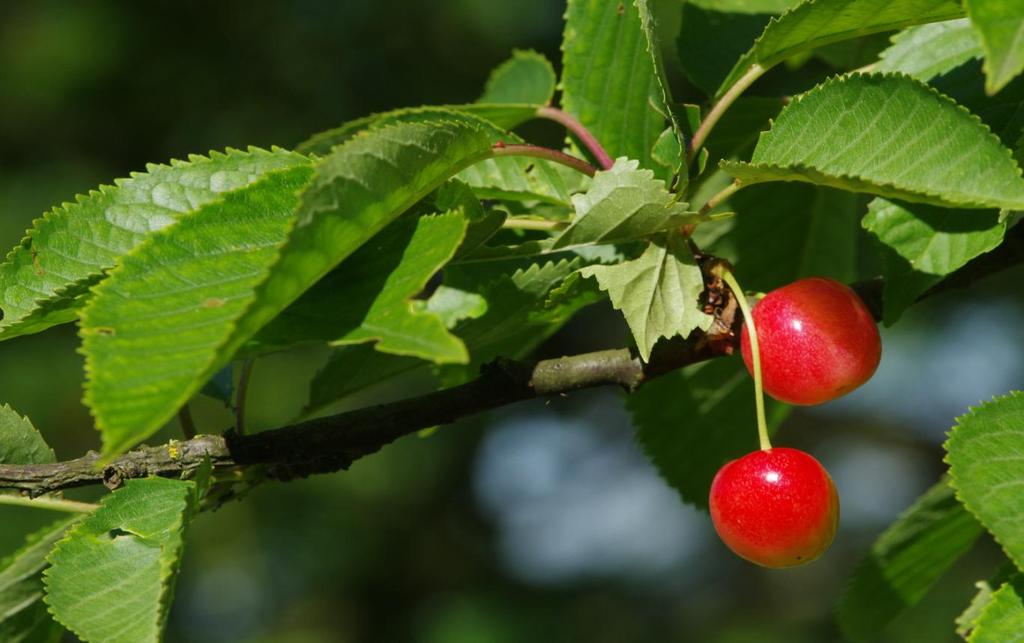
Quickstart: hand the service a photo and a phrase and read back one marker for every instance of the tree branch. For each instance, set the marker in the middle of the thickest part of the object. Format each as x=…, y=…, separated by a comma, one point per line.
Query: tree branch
x=328, y=444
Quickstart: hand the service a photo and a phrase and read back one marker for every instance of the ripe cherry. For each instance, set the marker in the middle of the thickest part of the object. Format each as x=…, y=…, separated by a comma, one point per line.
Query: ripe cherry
x=818, y=341
x=775, y=507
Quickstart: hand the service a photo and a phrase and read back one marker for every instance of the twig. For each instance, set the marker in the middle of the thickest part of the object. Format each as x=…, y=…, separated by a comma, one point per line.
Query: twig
x=719, y=108
x=241, y=393
x=518, y=223
x=546, y=153
x=46, y=502
x=585, y=137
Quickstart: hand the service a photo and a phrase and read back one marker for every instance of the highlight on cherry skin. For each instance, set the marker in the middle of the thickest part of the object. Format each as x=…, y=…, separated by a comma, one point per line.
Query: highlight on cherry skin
x=817, y=339
x=775, y=507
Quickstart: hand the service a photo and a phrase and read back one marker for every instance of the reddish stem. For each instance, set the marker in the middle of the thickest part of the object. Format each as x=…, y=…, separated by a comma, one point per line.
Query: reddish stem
x=584, y=136
x=546, y=153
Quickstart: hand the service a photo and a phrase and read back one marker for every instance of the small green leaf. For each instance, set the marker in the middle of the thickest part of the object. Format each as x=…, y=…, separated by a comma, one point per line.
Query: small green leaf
x=20, y=442
x=927, y=51
x=481, y=224
x=527, y=77
x=691, y=422
x=814, y=23
x=23, y=615
x=905, y=561
x=111, y=579
x=649, y=28
x=966, y=621
x=1000, y=27
x=452, y=305
x=1002, y=618
x=985, y=452
x=609, y=81
x=623, y=204
x=891, y=136
x=392, y=321
x=46, y=278
x=923, y=243
x=656, y=292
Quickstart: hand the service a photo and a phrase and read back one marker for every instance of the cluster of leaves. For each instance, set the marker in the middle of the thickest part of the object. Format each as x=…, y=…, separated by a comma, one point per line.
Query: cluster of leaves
x=411, y=241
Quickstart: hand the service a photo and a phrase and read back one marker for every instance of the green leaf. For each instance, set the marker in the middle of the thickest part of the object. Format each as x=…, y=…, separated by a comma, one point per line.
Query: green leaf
x=353, y=369
x=526, y=77
x=156, y=322
x=23, y=615
x=452, y=305
x=1000, y=27
x=649, y=28
x=500, y=117
x=887, y=135
x=656, y=292
x=111, y=578
x=692, y=421
x=738, y=130
x=623, y=204
x=801, y=220
x=921, y=244
x=146, y=357
x=481, y=224
x=371, y=296
x=712, y=38
x=927, y=51
x=1002, y=618
x=46, y=278
x=392, y=320
x=20, y=442
x=965, y=623
x=815, y=23
x=905, y=561
x=609, y=81
x=985, y=453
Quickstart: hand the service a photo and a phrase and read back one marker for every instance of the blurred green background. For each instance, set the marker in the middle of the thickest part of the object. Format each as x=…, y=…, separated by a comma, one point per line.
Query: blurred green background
x=541, y=522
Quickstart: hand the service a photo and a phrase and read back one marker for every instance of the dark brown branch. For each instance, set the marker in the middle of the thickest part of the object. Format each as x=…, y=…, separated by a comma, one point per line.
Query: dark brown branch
x=332, y=443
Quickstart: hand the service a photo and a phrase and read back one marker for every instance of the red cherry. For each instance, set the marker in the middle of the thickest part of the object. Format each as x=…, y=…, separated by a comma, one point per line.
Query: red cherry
x=818, y=341
x=776, y=507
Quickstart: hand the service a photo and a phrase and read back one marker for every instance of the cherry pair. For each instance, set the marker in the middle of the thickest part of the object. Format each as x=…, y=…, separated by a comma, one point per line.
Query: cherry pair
x=778, y=507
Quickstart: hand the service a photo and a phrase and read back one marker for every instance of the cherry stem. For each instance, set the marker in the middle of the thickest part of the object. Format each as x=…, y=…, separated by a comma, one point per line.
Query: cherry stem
x=714, y=201
x=546, y=153
x=719, y=108
x=755, y=352
x=582, y=134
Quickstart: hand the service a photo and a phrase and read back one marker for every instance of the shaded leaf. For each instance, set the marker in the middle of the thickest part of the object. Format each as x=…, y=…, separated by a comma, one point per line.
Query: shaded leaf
x=656, y=292
x=609, y=80
x=526, y=77
x=712, y=38
x=927, y=51
x=986, y=588
x=23, y=615
x=905, y=561
x=111, y=578
x=923, y=243
x=692, y=421
x=887, y=135
x=1000, y=27
x=623, y=204
x=353, y=369
x=814, y=23
x=46, y=278
x=649, y=28
x=985, y=452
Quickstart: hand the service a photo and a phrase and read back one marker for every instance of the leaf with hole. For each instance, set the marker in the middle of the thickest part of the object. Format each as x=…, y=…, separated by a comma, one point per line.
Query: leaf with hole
x=111, y=578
